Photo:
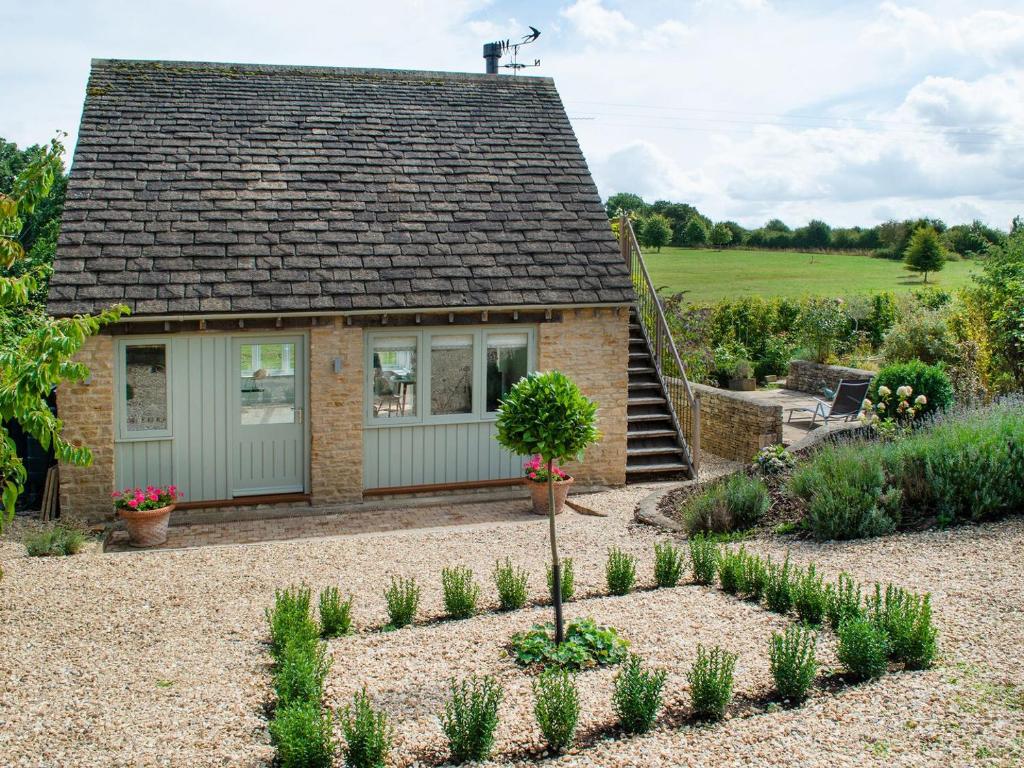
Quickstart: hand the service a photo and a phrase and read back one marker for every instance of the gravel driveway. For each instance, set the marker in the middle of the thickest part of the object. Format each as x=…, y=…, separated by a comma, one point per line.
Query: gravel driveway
x=157, y=659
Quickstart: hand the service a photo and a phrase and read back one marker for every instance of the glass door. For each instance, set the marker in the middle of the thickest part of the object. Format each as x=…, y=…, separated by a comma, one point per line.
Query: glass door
x=269, y=415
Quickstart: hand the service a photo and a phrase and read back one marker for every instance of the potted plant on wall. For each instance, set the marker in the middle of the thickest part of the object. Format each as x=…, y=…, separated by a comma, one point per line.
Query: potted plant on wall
x=537, y=475
x=742, y=378
x=146, y=513
x=545, y=414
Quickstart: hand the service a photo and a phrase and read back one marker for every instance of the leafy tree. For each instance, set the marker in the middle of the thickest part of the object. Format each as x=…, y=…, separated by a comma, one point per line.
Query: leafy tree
x=721, y=235
x=545, y=414
x=625, y=201
x=42, y=357
x=972, y=240
x=739, y=234
x=696, y=232
x=776, y=225
x=655, y=231
x=996, y=306
x=817, y=234
x=925, y=252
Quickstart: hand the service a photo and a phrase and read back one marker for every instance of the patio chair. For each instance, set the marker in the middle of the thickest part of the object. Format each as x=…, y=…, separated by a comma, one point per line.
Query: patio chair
x=846, y=405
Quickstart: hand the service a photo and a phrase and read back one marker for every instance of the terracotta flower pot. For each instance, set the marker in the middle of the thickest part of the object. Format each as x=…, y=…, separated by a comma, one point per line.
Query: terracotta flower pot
x=146, y=528
x=539, y=492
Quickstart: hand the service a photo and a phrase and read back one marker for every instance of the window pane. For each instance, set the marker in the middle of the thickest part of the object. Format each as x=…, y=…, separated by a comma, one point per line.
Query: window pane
x=394, y=376
x=451, y=374
x=267, y=383
x=145, y=387
x=507, y=356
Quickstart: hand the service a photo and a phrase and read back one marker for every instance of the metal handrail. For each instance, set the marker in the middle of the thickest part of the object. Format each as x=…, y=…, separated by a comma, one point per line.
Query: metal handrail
x=684, y=404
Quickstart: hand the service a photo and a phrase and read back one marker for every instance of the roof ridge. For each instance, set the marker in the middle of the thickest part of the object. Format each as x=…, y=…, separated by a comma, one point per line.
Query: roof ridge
x=216, y=66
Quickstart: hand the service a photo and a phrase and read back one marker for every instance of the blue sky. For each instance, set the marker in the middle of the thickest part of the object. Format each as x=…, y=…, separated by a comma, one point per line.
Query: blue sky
x=750, y=109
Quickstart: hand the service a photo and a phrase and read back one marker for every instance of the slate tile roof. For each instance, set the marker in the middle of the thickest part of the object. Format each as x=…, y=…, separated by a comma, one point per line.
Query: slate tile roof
x=209, y=188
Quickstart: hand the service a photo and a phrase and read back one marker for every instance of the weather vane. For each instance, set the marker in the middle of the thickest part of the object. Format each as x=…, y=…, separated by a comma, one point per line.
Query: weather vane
x=494, y=51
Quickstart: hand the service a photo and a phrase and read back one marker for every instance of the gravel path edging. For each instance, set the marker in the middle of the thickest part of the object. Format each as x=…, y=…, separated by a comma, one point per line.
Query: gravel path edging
x=647, y=511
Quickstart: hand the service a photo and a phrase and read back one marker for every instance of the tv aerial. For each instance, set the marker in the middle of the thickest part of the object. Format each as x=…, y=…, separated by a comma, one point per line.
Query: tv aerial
x=493, y=53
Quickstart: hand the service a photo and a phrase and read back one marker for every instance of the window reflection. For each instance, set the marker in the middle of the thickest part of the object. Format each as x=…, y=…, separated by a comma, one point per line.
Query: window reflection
x=394, y=376
x=145, y=387
x=507, y=360
x=267, y=383
x=451, y=374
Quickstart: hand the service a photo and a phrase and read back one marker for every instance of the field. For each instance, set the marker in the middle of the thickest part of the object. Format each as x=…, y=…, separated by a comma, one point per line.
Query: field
x=708, y=275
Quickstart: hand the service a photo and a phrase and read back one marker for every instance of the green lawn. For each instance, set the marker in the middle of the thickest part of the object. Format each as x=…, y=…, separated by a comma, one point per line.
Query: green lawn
x=708, y=275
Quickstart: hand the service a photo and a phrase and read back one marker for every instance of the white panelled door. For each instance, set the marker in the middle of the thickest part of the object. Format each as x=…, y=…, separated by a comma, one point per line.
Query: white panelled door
x=268, y=415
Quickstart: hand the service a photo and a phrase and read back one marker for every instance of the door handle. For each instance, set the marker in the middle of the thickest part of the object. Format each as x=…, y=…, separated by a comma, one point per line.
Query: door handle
x=298, y=415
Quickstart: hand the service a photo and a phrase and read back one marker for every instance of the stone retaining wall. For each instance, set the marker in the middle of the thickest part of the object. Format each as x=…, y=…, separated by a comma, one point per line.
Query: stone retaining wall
x=806, y=376
x=734, y=425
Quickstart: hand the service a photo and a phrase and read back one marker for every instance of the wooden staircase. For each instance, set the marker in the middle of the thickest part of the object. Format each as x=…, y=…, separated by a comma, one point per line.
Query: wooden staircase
x=663, y=412
x=653, y=450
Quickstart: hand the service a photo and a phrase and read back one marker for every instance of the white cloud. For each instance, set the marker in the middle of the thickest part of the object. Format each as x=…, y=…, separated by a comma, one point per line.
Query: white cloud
x=598, y=24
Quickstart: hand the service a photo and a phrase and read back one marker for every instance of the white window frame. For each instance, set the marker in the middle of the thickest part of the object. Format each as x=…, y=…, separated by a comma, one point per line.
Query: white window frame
x=121, y=380
x=422, y=416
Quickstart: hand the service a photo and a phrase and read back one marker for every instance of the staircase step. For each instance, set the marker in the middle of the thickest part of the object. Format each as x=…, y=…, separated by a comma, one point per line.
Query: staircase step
x=645, y=400
x=635, y=418
x=639, y=369
x=645, y=355
x=659, y=468
x=650, y=434
x=645, y=385
x=662, y=450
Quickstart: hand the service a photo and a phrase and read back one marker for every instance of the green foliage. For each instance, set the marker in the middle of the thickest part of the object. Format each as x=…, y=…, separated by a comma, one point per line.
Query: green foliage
x=620, y=571
x=820, y=326
x=737, y=503
x=845, y=492
x=557, y=708
x=42, y=358
x=461, y=592
x=290, y=619
x=809, y=597
x=793, y=663
x=754, y=577
x=335, y=613
x=721, y=235
x=301, y=670
x=704, y=556
x=637, y=695
x=568, y=582
x=511, y=584
x=586, y=644
x=711, y=682
x=932, y=381
x=882, y=316
x=55, y=540
x=403, y=598
x=470, y=718
x=906, y=620
x=668, y=563
x=731, y=571
x=995, y=314
x=368, y=734
x=862, y=649
x=965, y=469
x=843, y=601
x=780, y=589
x=695, y=232
x=655, y=231
x=547, y=415
x=921, y=334
x=303, y=734
x=625, y=201
x=925, y=252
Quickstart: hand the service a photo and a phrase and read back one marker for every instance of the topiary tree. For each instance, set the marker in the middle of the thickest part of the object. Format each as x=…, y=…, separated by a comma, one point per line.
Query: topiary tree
x=925, y=253
x=545, y=414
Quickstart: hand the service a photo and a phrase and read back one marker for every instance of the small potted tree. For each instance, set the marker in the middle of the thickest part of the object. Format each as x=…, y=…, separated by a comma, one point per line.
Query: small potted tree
x=146, y=513
x=546, y=415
